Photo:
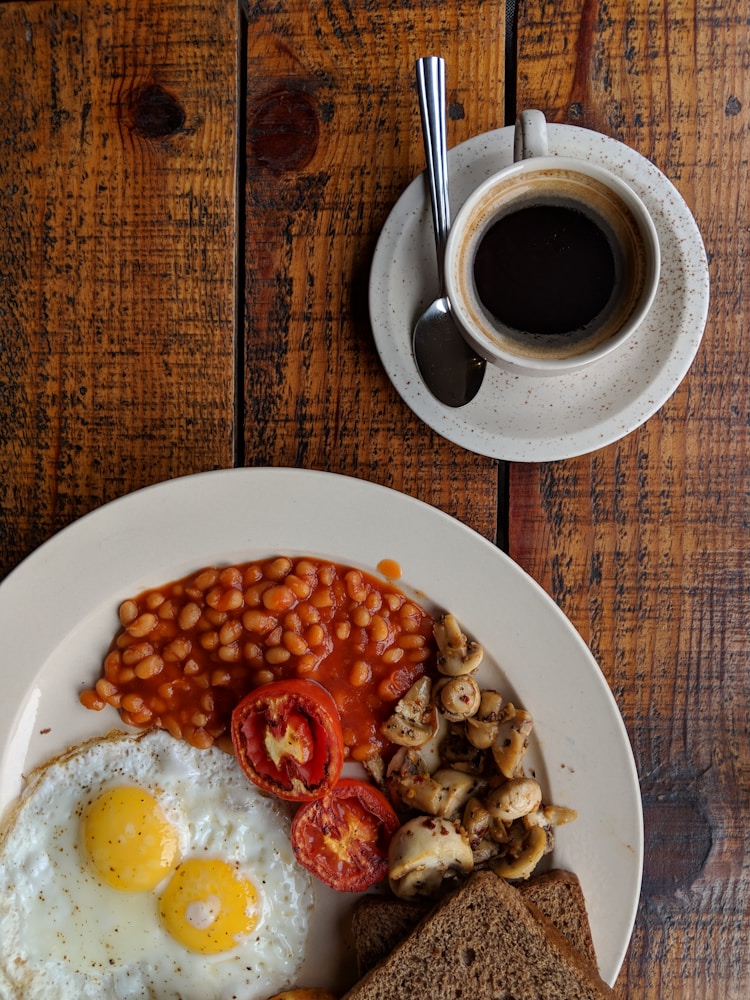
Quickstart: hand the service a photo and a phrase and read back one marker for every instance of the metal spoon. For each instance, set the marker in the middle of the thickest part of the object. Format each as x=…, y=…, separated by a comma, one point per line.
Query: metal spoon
x=451, y=370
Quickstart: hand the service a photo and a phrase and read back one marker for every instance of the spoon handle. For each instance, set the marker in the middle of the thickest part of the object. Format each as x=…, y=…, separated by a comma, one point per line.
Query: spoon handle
x=431, y=89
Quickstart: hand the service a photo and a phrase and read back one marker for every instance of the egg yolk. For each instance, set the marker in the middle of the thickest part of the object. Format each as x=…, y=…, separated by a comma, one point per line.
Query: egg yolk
x=130, y=842
x=207, y=906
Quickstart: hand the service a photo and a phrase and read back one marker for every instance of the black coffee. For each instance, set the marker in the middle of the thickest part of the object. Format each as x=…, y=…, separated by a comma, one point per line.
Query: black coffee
x=545, y=269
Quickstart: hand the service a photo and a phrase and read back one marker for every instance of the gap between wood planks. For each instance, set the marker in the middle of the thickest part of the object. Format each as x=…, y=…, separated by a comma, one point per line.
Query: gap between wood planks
x=239, y=445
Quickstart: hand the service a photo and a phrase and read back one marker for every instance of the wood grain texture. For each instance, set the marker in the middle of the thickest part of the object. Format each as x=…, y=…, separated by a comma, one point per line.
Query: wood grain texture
x=645, y=543
x=333, y=138
x=117, y=297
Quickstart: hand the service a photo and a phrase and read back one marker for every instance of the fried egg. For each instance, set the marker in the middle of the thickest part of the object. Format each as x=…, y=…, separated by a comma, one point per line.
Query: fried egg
x=138, y=866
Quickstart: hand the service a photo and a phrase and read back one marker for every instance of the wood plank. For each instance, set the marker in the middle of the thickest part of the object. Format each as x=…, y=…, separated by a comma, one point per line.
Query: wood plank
x=118, y=180
x=644, y=544
x=333, y=139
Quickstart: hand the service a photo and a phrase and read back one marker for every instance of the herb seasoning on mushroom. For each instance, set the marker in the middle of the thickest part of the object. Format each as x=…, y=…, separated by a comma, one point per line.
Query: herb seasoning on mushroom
x=459, y=772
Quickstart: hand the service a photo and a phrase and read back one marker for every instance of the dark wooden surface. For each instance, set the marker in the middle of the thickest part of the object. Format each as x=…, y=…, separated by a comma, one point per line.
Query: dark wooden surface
x=644, y=544
x=190, y=195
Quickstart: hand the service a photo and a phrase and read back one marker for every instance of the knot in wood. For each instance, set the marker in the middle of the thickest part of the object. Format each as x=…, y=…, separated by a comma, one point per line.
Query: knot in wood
x=284, y=129
x=678, y=841
x=154, y=112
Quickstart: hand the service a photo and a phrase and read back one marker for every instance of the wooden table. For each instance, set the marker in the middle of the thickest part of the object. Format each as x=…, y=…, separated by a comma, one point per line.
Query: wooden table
x=190, y=196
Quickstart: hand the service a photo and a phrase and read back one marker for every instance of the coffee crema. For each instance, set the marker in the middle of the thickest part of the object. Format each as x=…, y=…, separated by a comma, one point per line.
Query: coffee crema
x=545, y=269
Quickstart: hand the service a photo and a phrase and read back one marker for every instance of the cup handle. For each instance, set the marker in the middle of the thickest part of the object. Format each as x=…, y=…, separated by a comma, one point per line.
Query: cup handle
x=530, y=137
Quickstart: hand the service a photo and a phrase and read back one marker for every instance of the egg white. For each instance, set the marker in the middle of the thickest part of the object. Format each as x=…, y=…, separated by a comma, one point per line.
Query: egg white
x=64, y=933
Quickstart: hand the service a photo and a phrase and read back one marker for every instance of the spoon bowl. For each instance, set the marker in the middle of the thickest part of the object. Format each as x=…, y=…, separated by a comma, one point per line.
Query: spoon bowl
x=451, y=369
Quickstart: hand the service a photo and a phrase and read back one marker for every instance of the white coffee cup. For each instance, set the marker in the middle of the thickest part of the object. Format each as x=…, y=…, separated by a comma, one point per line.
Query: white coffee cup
x=551, y=263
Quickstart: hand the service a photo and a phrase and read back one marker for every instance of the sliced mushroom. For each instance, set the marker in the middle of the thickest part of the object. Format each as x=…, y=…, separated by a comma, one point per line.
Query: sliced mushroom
x=522, y=866
x=425, y=851
x=460, y=697
x=476, y=821
x=445, y=793
x=457, y=655
x=516, y=798
x=512, y=740
x=482, y=728
x=414, y=720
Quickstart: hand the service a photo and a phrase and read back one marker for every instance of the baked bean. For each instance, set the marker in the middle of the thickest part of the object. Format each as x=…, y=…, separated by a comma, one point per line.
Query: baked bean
x=189, y=616
x=220, y=678
x=136, y=652
x=315, y=635
x=379, y=630
x=274, y=638
x=277, y=654
x=168, y=611
x=418, y=655
x=278, y=568
x=209, y=640
x=200, y=739
x=300, y=588
x=112, y=665
x=214, y=617
x=307, y=664
x=251, y=574
x=232, y=577
x=294, y=643
x=392, y=655
x=361, y=617
x=221, y=599
x=306, y=569
x=89, y=699
x=410, y=641
x=230, y=632
x=229, y=653
x=252, y=653
x=307, y=614
x=254, y=594
x=327, y=574
x=178, y=649
x=279, y=598
x=342, y=630
x=394, y=601
x=360, y=673
x=263, y=677
x=154, y=601
x=258, y=621
x=321, y=598
x=149, y=666
x=374, y=601
x=133, y=703
x=143, y=624
x=355, y=586
x=206, y=579
x=191, y=667
x=128, y=612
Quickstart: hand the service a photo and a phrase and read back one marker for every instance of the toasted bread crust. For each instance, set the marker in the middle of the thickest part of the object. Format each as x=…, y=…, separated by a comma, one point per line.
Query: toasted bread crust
x=483, y=941
x=379, y=923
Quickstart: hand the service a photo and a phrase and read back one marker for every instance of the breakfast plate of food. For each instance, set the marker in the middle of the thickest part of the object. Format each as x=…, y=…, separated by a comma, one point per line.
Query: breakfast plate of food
x=254, y=717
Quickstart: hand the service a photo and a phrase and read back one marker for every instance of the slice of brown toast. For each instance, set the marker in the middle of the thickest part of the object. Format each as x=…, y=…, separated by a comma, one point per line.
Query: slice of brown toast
x=380, y=922
x=483, y=942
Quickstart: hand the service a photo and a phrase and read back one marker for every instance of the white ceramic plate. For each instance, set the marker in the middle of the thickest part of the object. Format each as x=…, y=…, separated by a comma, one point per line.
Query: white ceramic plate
x=528, y=418
x=58, y=612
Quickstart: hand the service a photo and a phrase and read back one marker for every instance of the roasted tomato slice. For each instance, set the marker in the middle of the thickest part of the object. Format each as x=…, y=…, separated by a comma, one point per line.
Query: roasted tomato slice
x=287, y=739
x=343, y=837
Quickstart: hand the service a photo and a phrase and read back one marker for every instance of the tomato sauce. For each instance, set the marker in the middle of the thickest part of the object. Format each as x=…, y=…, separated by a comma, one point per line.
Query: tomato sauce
x=190, y=650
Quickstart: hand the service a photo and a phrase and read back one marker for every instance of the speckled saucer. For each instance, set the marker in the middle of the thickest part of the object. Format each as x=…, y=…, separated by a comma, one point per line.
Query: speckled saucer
x=531, y=418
